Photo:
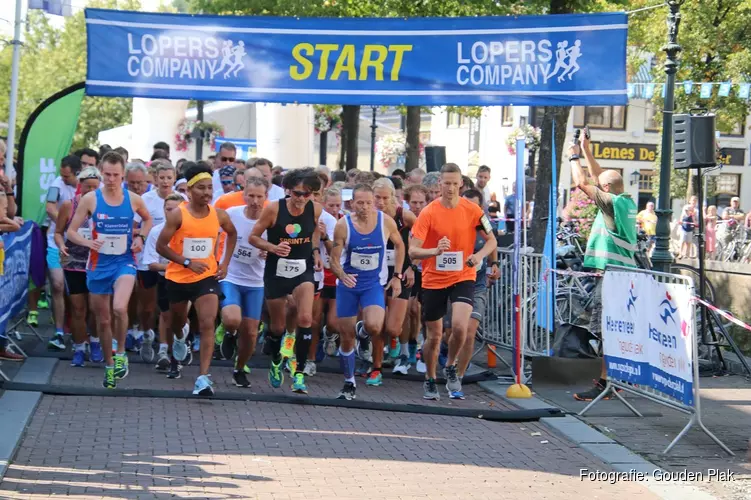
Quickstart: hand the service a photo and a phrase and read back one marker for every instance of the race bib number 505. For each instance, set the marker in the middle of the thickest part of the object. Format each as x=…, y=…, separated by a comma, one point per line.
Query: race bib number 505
x=450, y=261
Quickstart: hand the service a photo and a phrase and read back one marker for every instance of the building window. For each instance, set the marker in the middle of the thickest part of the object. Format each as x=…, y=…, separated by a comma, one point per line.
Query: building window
x=650, y=123
x=613, y=117
x=646, y=181
x=728, y=184
x=455, y=120
x=536, y=115
x=507, y=119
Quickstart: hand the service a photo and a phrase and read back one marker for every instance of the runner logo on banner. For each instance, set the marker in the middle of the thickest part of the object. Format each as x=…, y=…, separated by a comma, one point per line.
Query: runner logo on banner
x=524, y=60
x=622, y=326
x=648, y=333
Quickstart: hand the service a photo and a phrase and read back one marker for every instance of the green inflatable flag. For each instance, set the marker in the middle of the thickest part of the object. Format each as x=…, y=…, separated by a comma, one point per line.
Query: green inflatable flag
x=45, y=140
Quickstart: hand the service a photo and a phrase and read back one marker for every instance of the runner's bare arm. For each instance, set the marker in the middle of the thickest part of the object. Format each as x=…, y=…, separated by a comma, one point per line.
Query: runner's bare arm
x=340, y=239
x=62, y=217
x=409, y=218
x=490, y=246
x=229, y=247
x=173, y=221
x=265, y=221
x=85, y=208
x=147, y=222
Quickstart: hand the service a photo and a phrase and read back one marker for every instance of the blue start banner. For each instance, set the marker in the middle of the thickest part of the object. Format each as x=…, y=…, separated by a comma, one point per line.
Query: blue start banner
x=559, y=60
x=14, y=280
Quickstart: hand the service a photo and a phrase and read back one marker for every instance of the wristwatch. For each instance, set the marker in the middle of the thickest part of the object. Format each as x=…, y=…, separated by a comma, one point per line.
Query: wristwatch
x=399, y=276
x=574, y=157
x=415, y=268
x=186, y=262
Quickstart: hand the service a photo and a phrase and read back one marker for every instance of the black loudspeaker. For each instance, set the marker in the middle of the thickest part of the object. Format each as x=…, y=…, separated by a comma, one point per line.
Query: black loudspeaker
x=435, y=158
x=694, y=141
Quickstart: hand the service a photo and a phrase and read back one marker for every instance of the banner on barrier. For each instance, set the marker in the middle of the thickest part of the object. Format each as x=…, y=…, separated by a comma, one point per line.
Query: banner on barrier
x=647, y=333
x=14, y=281
x=561, y=60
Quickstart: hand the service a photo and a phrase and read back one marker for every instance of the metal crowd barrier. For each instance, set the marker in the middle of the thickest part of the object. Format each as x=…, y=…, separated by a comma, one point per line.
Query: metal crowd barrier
x=613, y=385
x=497, y=326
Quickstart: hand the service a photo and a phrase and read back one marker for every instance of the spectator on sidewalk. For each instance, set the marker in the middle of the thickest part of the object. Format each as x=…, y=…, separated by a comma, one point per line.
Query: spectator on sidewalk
x=688, y=223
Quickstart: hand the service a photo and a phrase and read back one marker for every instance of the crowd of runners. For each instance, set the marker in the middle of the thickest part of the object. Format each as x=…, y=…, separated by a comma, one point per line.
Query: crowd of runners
x=214, y=259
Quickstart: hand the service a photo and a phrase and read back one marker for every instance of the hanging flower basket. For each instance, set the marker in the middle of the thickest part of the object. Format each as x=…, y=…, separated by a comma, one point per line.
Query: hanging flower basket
x=327, y=118
x=530, y=133
x=188, y=130
x=393, y=147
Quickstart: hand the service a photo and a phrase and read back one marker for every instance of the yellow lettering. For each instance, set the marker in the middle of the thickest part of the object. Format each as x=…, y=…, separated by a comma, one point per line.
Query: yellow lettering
x=345, y=62
x=596, y=150
x=606, y=153
x=326, y=49
x=631, y=153
x=307, y=66
x=377, y=64
x=399, y=51
x=624, y=153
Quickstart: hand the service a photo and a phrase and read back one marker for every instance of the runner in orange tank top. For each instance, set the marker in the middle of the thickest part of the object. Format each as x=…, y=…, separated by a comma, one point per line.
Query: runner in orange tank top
x=188, y=241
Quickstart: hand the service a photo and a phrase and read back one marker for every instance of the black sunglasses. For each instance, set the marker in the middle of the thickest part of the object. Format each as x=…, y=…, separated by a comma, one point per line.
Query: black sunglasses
x=230, y=159
x=301, y=194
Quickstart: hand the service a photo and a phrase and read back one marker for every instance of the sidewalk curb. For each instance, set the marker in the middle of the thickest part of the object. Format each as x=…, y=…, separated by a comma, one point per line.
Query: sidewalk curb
x=17, y=408
x=620, y=458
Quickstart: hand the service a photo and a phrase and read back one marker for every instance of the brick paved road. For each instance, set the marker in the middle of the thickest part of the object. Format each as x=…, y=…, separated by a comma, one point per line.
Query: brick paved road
x=146, y=448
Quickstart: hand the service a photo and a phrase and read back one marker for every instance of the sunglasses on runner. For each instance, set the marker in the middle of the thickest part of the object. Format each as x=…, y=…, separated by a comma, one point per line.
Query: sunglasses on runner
x=230, y=159
x=302, y=194
x=228, y=182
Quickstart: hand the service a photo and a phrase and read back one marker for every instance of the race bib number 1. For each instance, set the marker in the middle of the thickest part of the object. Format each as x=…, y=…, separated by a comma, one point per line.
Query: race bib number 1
x=450, y=261
x=113, y=244
x=290, y=268
x=197, y=248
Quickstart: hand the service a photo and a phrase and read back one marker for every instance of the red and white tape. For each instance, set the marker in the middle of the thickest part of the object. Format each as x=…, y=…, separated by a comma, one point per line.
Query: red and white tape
x=722, y=313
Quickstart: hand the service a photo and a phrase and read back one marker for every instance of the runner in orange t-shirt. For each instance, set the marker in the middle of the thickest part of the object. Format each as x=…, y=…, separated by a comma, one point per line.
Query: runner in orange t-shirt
x=444, y=238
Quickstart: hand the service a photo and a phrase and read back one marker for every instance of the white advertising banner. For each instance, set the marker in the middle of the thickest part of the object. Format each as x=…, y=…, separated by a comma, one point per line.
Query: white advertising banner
x=647, y=329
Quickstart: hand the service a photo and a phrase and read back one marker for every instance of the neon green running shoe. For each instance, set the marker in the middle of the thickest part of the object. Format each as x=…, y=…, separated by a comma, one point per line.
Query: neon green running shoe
x=110, y=382
x=33, y=318
x=219, y=334
x=288, y=345
x=276, y=376
x=43, y=304
x=121, y=366
x=299, y=384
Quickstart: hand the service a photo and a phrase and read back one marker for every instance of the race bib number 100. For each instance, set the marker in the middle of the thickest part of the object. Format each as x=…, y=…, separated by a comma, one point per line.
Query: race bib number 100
x=197, y=248
x=450, y=261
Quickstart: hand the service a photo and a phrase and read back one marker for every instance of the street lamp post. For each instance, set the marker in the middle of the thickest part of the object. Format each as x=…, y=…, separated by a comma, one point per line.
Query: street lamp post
x=373, y=127
x=661, y=257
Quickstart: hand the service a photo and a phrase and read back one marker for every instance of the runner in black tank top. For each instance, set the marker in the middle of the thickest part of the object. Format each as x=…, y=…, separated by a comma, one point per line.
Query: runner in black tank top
x=396, y=307
x=293, y=253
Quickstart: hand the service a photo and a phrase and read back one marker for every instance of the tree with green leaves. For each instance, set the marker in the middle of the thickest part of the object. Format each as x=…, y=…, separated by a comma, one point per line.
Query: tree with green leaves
x=53, y=59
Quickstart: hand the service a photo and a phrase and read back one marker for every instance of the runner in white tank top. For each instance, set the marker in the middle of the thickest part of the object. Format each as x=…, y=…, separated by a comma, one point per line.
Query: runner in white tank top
x=243, y=285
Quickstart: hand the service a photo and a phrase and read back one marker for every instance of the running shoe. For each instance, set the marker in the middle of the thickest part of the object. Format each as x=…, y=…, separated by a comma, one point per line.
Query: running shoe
x=395, y=350
x=320, y=352
x=6, y=355
x=421, y=366
x=290, y=364
x=96, y=355
x=203, y=386
x=431, y=390
x=456, y=395
x=453, y=384
x=121, y=366
x=33, y=318
x=240, y=379
x=402, y=365
x=79, y=358
x=179, y=349
x=131, y=343
x=364, y=349
x=219, y=334
x=298, y=384
x=163, y=361
x=412, y=353
x=592, y=393
x=310, y=368
x=175, y=369
x=347, y=392
x=288, y=345
x=56, y=343
x=197, y=344
x=228, y=345
x=375, y=379
x=110, y=382
x=147, y=350
x=276, y=375
x=42, y=303
x=330, y=342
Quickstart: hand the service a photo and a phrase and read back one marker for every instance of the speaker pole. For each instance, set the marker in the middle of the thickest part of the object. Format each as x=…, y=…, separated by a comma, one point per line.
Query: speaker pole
x=373, y=128
x=661, y=257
